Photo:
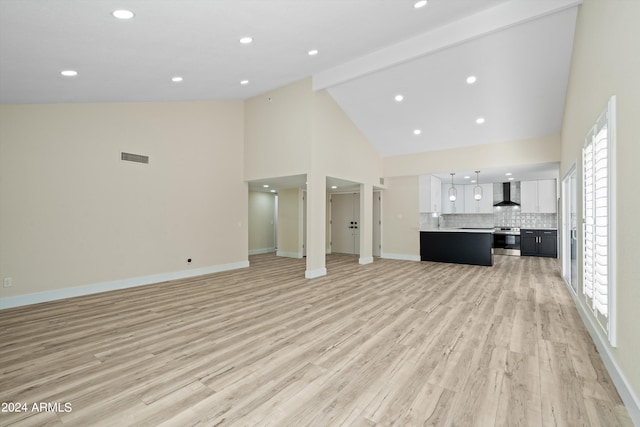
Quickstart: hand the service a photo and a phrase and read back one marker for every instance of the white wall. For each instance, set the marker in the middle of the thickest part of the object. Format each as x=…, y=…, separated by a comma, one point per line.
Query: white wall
x=278, y=132
x=401, y=219
x=511, y=153
x=290, y=223
x=73, y=214
x=606, y=62
x=340, y=150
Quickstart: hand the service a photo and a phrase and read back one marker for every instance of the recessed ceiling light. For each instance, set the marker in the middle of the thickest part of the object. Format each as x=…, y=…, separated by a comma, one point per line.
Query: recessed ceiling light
x=123, y=14
x=510, y=178
x=417, y=132
x=467, y=177
x=473, y=181
x=471, y=79
x=480, y=120
x=508, y=174
x=419, y=4
x=69, y=73
x=399, y=98
x=244, y=82
x=273, y=191
x=176, y=79
x=313, y=52
x=265, y=185
x=246, y=40
x=334, y=187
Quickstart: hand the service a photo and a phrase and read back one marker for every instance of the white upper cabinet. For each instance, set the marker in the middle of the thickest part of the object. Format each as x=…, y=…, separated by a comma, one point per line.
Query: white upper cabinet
x=484, y=205
x=430, y=193
x=528, y=196
x=436, y=194
x=465, y=203
x=538, y=196
x=547, y=196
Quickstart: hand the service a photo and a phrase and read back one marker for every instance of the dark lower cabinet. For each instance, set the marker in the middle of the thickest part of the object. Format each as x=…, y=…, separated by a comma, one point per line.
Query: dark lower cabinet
x=528, y=242
x=539, y=243
x=457, y=247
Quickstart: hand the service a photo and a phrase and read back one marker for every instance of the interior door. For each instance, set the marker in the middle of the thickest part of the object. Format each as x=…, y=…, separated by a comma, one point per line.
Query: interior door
x=345, y=218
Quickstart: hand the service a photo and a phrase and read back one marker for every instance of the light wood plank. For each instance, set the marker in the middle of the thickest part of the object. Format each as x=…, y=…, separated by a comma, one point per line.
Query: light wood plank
x=388, y=343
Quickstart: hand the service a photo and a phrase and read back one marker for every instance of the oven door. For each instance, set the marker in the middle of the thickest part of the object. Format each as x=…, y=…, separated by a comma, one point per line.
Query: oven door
x=506, y=244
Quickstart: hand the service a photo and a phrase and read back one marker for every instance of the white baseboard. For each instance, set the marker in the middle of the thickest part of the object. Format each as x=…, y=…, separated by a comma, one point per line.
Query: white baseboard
x=365, y=260
x=312, y=274
x=402, y=257
x=261, y=251
x=627, y=394
x=36, y=298
x=289, y=254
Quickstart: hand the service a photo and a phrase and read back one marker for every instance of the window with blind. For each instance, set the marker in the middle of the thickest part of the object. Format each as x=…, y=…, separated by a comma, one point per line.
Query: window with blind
x=598, y=198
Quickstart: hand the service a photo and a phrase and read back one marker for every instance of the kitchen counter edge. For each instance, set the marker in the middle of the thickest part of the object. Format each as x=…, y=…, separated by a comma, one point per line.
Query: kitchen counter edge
x=457, y=230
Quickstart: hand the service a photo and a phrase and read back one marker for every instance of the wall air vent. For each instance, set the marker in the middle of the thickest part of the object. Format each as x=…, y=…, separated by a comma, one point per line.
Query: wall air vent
x=134, y=158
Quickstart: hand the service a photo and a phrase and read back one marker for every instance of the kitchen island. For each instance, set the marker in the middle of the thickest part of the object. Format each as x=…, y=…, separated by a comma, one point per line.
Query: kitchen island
x=457, y=245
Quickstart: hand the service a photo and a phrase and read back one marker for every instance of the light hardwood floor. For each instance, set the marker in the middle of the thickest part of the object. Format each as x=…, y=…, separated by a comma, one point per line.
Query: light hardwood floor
x=390, y=343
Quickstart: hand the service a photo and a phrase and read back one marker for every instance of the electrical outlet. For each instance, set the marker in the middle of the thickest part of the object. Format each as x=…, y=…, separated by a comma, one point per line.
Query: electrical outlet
x=7, y=282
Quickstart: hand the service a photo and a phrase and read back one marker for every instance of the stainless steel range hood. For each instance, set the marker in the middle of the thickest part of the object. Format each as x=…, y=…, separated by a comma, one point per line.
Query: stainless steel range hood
x=503, y=193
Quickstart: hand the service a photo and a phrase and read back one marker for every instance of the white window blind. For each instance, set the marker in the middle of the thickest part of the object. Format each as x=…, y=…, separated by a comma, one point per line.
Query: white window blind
x=597, y=157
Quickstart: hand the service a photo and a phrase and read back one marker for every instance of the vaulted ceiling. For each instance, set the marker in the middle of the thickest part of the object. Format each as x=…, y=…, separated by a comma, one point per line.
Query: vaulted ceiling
x=368, y=52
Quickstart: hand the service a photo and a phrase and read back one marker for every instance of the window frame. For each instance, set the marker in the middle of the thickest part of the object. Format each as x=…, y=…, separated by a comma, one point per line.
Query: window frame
x=606, y=321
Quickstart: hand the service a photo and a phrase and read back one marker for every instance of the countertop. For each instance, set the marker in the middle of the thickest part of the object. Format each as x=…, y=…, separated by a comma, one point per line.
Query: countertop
x=458, y=230
x=473, y=230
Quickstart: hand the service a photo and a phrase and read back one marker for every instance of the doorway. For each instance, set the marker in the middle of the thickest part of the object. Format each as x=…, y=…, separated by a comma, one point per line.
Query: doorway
x=570, y=229
x=345, y=220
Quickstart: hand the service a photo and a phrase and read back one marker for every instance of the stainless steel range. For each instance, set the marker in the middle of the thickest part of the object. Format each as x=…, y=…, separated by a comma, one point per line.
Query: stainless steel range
x=506, y=241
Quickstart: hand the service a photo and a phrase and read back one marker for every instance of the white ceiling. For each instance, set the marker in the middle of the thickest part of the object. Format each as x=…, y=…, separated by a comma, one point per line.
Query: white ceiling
x=368, y=52
x=134, y=60
x=522, y=73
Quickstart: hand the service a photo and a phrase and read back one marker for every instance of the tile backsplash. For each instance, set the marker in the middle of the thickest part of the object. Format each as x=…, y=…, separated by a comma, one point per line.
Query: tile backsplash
x=501, y=217
x=514, y=218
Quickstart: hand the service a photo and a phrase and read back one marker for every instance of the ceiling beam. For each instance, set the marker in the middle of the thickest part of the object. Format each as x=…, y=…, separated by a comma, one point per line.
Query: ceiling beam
x=495, y=19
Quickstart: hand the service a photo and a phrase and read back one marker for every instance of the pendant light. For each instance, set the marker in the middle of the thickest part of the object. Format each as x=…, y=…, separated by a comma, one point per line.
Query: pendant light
x=477, y=190
x=453, y=193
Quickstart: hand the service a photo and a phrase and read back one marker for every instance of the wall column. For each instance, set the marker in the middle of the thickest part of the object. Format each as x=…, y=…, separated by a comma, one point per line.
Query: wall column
x=366, y=224
x=316, y=225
